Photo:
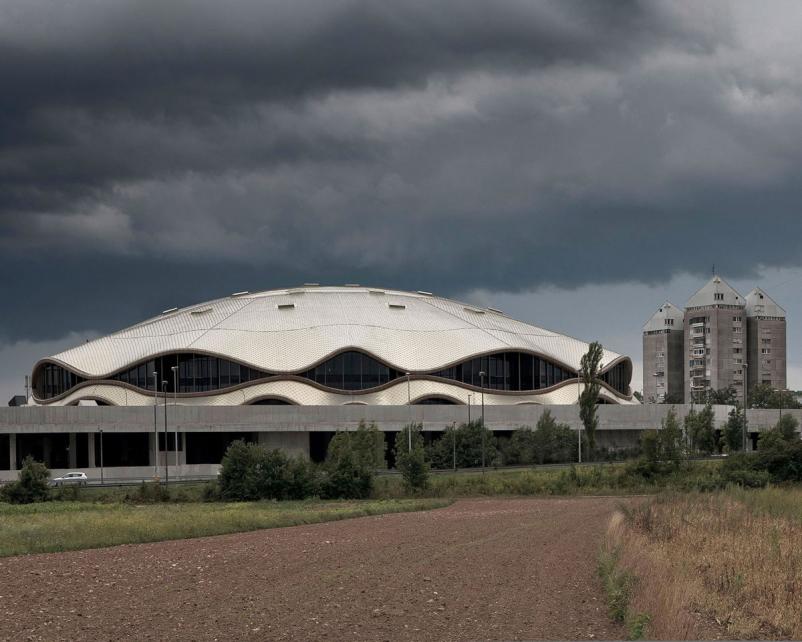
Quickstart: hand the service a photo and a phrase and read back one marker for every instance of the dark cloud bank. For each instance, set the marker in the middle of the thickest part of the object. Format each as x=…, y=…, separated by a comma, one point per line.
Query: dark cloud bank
x=155, y=154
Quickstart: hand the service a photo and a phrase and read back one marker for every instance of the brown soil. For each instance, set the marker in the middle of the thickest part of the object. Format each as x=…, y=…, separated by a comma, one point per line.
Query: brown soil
x=480, y=569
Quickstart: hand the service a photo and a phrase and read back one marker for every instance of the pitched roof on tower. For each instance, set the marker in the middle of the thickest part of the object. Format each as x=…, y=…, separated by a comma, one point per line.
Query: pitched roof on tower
x=715, y=292
x=666, y=312
x=760, y=304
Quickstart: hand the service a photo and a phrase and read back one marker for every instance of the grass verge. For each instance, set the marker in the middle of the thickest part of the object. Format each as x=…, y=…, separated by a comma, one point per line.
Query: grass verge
x=601, y=479
x=724, y=564
x=619, y=584
x=62, y=526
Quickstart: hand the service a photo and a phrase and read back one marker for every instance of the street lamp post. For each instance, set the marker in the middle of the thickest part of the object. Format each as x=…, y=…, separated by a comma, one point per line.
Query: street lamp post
x=746, y=406
x=166, y=445
x=579, y=413
x=482, y=384
x=409, y=403
x=101, y=456
x=469, y=407
x=454, y=446
x=175, y=412
x=155, y=426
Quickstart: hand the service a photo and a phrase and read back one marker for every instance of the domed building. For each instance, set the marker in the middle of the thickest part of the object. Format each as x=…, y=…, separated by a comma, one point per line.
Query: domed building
x=326, y=346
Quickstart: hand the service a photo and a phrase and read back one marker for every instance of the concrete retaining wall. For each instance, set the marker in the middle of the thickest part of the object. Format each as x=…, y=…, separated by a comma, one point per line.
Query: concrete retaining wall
x=327, y=418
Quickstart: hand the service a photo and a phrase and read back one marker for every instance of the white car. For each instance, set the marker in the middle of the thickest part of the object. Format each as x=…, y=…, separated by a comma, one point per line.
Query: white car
x=76, y=478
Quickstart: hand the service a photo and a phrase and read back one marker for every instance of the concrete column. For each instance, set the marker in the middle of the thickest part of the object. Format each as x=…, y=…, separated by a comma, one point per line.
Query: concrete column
x=12, y=451
x=73, y=453
x=90, y=443
x=153, y=456
x=182, y=454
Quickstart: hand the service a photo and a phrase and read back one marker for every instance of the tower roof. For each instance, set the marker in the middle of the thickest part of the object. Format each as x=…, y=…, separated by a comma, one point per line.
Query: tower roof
x=666, y=312
x=760, y=304
x=715, y=292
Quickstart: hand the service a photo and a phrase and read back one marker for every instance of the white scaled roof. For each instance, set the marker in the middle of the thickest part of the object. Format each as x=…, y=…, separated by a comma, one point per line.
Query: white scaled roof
x=715, y=292
x=286, y=331
x=760, y=304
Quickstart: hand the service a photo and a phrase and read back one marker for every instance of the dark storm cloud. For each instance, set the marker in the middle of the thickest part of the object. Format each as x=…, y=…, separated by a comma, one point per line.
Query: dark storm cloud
x=154, y=154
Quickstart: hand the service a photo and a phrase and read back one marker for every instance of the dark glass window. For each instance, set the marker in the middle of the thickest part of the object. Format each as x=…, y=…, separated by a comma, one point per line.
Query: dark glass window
x=349, y=370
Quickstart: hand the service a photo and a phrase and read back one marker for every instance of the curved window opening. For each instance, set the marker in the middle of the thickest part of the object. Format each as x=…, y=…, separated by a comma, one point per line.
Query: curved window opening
x=52, y=380
x=271, y=401
x=618, y=377
x=515, y=371
x=196, y=373
x=435, y=401
x=350, y=370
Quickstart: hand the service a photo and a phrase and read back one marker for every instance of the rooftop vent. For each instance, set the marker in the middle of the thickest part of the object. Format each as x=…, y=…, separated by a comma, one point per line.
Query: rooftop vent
x=396, y=306
x=240, y=293
x=353, y=285
x=168, y=310
x=201, y=311
x=374, y=291
x=285, y=306
x=496, y=310
x=474, y=310
x=424, y=293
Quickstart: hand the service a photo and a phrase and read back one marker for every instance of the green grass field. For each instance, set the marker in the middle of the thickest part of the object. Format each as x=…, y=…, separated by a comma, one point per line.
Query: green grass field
x=69, y=525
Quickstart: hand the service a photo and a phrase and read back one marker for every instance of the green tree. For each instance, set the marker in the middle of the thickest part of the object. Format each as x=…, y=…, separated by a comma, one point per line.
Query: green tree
x=787, y=428
x=723, y=396
x=764, y=396
x=31, y=485
x=519, y=449
x=670, y=443
x=412, y=464
x=467, y=441
x=365, y=444
x=239, y=472
x=553, y=442
x=589, y=373
x=348, y=473
x=734, y=430
x=700, y=431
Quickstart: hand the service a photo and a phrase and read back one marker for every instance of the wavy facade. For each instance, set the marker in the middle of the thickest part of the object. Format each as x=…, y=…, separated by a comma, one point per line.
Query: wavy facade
x=327, y=346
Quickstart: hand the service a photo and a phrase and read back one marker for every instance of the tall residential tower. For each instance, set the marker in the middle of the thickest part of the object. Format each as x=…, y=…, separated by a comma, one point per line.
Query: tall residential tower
x=663, y=356
x=721, y=340
x=765, y=341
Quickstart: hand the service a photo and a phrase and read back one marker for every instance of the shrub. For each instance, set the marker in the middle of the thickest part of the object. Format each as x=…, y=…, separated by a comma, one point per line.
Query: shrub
x=211, y=492
x=303, y=478
x=239, y=472
x=746, y=477
x=700, y=430
x=250, y=472
x=346, y=477
x=555, y=443
x=782, y=459
x=149, y=493
x=272, y=474
x=467, y=439
x=519, y=448
x=412, y=464
x=31, y=486
x=365, y=444
x=734, y=430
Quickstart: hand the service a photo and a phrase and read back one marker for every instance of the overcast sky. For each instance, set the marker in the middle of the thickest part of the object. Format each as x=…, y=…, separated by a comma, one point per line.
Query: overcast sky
x=575, y=163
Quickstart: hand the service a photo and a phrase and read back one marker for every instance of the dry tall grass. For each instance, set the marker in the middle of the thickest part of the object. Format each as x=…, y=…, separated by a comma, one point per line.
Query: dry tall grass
x=725, y=564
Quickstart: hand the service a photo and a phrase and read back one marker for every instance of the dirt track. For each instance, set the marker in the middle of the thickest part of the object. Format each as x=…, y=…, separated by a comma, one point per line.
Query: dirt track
x=480, y=569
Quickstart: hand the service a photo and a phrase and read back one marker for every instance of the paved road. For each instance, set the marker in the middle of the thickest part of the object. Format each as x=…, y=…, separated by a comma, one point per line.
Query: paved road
x=480, y=569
